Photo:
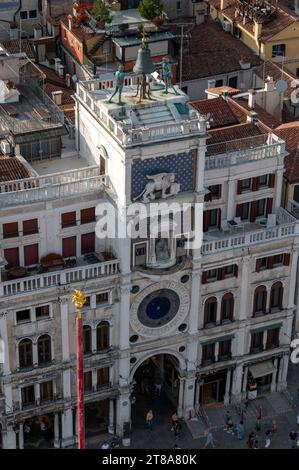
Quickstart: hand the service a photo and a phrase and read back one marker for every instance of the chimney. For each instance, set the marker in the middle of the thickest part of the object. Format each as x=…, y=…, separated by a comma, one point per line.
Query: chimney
x=115, y=6
x=70, y=22
x=269, y=84
x=296, y=7
x=13, y=32
x=60, y=71
x=251, y=98
x=223, y=4
x=57, y=97
x=68, y=80
x=257, y=30
x=57, y=63
x=252, y=117
x=37, y=32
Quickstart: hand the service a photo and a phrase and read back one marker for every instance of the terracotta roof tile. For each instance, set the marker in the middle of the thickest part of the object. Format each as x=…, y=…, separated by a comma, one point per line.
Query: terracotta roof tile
x=277, y=72
x=214, y=52
x=13, y=47
x=12, y=169
x=290, y=133
x=221, y=113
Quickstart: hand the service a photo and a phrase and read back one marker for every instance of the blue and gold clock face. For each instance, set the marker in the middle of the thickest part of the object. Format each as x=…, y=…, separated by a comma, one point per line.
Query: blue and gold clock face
x=158, y=308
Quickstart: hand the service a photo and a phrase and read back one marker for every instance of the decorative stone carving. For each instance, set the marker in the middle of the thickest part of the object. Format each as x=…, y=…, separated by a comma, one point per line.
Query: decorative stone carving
x=164, y=182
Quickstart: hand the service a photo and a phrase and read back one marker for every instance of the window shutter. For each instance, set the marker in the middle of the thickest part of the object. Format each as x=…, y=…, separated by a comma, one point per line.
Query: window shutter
x=30, y=226
x=69, y=247
x=239, y=210
x=11, y=256
x=68, y=219
x=270, y=262
x=220, y=274
x=286, y=259
x=239, y=187
x=205, y=221
x=30, y=254
x=88, y=215
x=269, y=205
x=236, y=270
x=253, y=208
x=272, y=180
x=258, y=265
x=255, y=183
x=204, y=277
x=219, y=219
x=87, y=243
x=10, y=230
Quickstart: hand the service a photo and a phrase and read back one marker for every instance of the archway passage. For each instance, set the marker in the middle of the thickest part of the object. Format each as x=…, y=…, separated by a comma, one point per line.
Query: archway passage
x=156, y=388
x=39, y=432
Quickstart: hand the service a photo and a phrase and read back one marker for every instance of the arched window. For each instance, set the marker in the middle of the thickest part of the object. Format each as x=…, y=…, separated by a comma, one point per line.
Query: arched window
x=276, y=296
x=260, y=300
x=44, y=349
x=210, y=311
x=103, y=336
x=87, y=339
x=227, y=307
x=25, y=353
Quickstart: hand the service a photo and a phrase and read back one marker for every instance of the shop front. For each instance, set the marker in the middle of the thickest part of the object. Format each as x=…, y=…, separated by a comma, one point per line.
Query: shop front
x=260, y=377
x=212, y=388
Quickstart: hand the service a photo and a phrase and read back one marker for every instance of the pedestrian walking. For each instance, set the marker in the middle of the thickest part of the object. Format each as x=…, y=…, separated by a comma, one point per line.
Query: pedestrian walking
x=258, y=425
x=158, y=385
x=177, y=429
x=274, y=427
x=250, y=440
x=240, y=430
x=256, y=444
x=149, y=420
x=209, y=440
x=174, y=420
x=293, y=439
x=267, y=439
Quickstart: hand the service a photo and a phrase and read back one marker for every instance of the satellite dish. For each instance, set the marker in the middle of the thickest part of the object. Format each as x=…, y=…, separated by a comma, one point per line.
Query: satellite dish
x=281, y=86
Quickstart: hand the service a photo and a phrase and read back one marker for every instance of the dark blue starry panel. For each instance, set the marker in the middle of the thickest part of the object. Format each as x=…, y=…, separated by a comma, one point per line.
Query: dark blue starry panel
x=183, y=165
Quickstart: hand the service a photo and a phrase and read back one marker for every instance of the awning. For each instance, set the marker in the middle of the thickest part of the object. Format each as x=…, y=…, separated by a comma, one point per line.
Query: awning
x=261, y=369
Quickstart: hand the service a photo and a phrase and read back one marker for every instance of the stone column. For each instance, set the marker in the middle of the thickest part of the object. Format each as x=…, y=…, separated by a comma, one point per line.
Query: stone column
x=181, y=397
x=278, y=188
x=227, y=387
x=56, y=431
x=265, y=335
x=244, y=288
x=189, y=395
x=201, y=153
x=236, y=394
x=284, y=364
x=216, y=351
x=197, y=392
x=245, y=380
x=21, y=436
x=123, y=413
x=111, y=427
x=274, y=375
x=231, y=200
x=293, y=280
x=9, y=438
x=4, y=338
x=124, y=326
x=67, y=428
x=194, y=305
x=64, y=330
x=94, y=340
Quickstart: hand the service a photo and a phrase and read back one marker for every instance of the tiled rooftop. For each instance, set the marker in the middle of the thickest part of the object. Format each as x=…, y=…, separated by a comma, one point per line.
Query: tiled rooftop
x=290, y=133
x=16, y=46
x=214, y=52
x=12, y=169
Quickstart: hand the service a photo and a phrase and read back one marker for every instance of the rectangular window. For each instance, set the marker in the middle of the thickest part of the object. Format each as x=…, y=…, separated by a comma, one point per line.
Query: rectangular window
x=68, y=219
x=28, y=395
x=10, y=230
x=257, y=342
x=273, y=338
x=23, y=316
x=263, y=263
x=11, y=256
x=278, y=260
x=30, y=227
x=219, y=82
x=88, y=215
x=208, y=352
x=69, y=247
x=263, y=181
x=88, y=381
x=87, y=243
x=246, y=184
x=24, y=15
x=103, y=376
x=32, y=14
x=229, y=271
x=102, y=298
x=245, y=211
x=42, y=312
x=260, y=208
x=213, y=219
x=211, y=275
x=278, y=50
x=260, y=301
x=225, y=349
x=46, y=391
x=233, y=82
x=215, y=193
x=31, y=254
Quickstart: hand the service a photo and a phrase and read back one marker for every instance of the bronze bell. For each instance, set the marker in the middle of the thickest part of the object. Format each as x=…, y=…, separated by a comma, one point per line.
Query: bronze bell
x=144, y=64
